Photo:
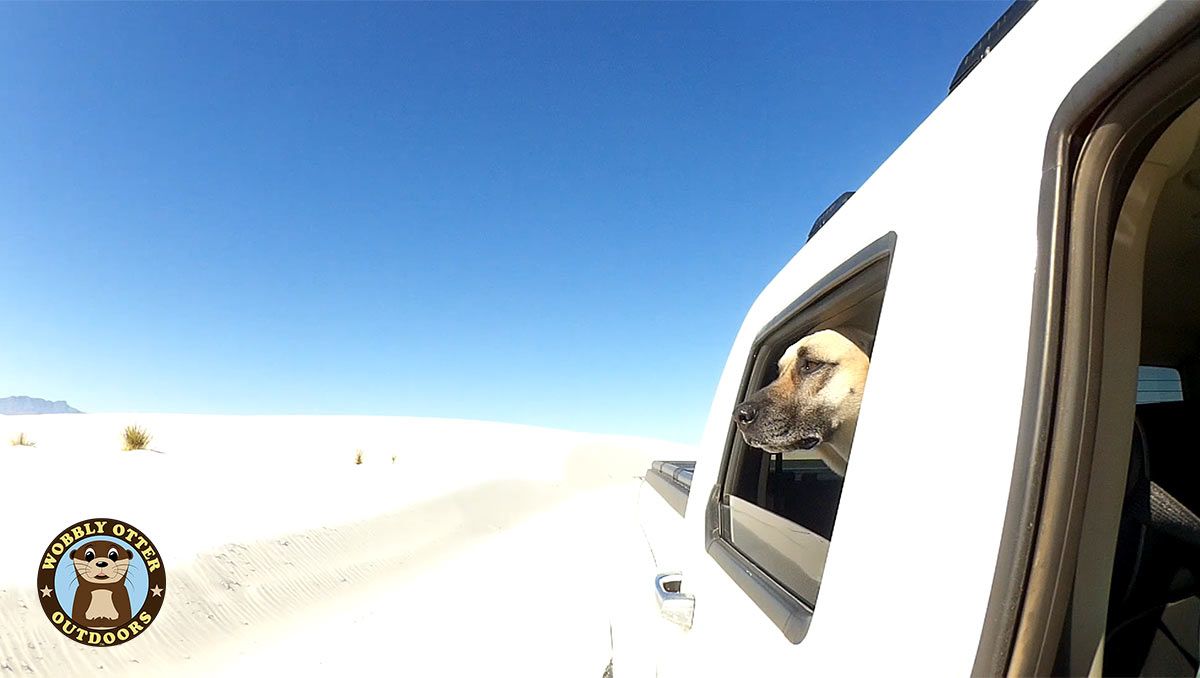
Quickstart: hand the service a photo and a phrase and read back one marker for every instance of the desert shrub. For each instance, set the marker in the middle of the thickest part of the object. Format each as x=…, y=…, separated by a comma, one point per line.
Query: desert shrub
x=393, y=459
x=136, y=438
x=358, y=456
x=23, y=441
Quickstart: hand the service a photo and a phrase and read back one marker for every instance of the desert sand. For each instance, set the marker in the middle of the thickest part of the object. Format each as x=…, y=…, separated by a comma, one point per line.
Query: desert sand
x=455, y=548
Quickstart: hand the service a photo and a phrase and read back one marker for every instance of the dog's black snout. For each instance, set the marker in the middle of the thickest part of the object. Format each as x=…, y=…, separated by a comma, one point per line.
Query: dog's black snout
x=745, y=413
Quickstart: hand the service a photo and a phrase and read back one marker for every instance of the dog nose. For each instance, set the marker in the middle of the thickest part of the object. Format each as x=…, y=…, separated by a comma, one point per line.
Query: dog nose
x=746, y=413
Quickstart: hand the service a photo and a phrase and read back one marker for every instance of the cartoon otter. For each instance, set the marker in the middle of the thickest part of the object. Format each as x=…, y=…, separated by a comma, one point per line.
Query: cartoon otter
x=101, y=602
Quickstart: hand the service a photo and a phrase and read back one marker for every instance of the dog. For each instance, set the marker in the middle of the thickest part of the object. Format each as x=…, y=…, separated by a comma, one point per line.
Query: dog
x=813, y=403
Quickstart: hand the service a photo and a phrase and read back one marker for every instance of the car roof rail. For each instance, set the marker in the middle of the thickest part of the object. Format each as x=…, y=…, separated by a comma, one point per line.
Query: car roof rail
x=829, y=212
x=990, y=39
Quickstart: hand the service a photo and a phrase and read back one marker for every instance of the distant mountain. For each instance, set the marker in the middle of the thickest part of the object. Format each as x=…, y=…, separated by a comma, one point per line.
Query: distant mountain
x=27, y=405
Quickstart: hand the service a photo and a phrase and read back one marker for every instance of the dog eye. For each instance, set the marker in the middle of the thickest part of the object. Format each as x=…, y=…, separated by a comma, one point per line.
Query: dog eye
x=112, y=554
x=810, y=366
x=88, y=555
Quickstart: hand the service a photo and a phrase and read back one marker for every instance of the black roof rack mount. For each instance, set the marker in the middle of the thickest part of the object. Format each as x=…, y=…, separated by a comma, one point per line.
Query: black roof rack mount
x=829, y=212
x=990, y=39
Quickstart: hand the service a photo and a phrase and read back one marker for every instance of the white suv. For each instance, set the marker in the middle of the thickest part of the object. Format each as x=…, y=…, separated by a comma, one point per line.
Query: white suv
x=1022, y=492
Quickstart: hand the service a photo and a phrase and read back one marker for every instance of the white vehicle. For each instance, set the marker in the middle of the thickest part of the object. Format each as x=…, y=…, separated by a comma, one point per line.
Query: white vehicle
x=1029, y=262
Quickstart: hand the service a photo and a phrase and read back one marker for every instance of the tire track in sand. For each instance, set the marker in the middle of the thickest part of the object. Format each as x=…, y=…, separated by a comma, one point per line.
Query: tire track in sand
x=245, y=594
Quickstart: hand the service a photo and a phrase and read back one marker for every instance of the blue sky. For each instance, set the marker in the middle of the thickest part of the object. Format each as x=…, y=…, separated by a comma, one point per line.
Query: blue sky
x=545, y=214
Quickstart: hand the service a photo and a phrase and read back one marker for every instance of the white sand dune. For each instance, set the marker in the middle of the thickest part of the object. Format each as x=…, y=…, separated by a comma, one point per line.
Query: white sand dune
x=482, y=548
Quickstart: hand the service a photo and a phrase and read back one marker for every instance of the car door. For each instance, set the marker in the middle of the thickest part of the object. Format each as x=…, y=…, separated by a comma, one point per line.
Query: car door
x=891, y=568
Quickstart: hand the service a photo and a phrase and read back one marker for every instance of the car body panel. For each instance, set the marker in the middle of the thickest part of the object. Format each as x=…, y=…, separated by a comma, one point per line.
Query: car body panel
x=907, y=581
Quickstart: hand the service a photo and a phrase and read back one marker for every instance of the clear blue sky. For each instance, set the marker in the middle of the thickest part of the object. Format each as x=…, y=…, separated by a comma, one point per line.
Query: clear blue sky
x=545, y=214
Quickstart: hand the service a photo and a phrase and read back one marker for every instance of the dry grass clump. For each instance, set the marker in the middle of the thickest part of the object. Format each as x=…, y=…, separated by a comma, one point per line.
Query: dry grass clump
x=136, y=438
x=358, y=456
x=22, y=441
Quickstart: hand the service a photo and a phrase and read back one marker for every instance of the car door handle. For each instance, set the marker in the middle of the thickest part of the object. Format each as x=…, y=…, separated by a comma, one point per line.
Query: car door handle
x=673, y=604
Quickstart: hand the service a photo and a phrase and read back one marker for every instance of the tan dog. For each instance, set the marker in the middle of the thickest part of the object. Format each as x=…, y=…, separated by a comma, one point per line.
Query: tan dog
x=813, y=403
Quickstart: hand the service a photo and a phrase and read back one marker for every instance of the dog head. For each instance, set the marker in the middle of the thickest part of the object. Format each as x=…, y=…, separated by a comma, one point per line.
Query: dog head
x=815, y=398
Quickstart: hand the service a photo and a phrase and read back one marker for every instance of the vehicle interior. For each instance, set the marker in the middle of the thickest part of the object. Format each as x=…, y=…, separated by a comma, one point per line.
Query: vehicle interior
x=1152, y=625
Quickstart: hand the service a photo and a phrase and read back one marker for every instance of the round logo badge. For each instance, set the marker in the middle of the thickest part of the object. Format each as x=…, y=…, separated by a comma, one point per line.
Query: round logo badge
x=101, y=582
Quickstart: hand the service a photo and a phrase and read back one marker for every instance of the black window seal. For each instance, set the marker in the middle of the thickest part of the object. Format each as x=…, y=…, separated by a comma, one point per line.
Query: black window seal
x=877, y=251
